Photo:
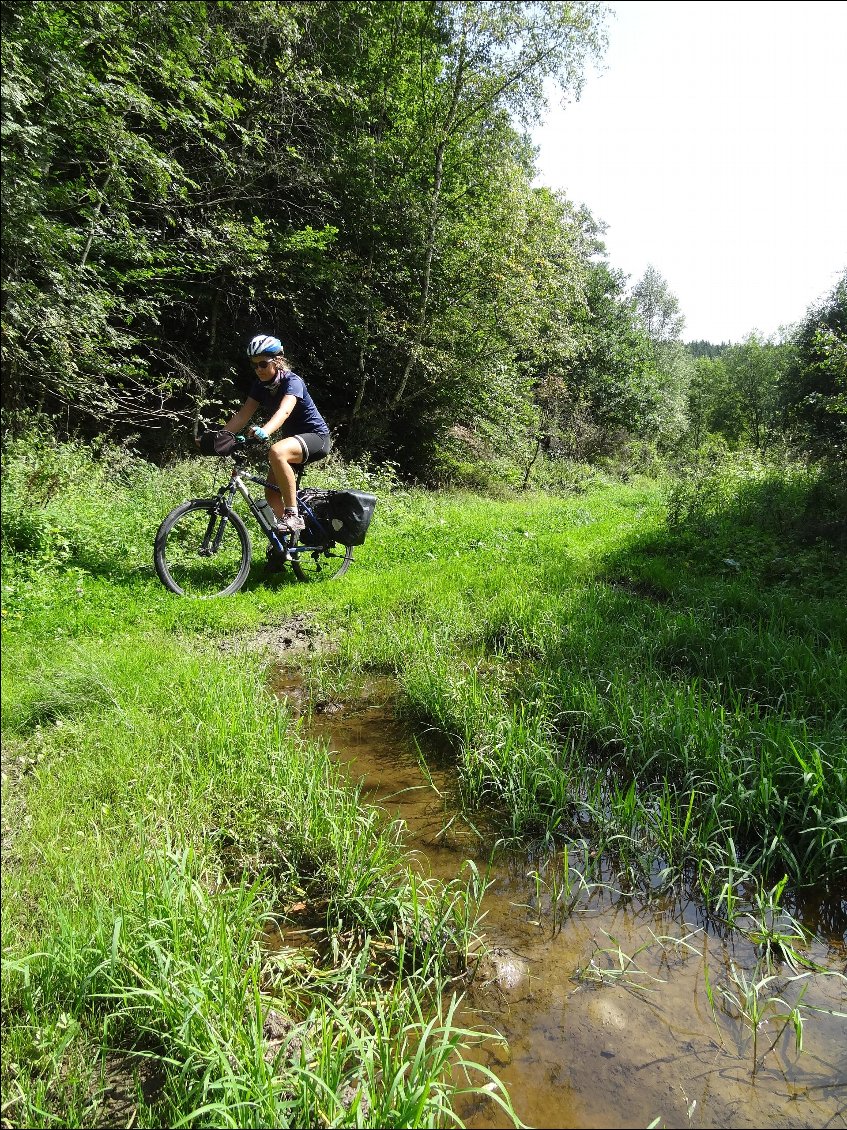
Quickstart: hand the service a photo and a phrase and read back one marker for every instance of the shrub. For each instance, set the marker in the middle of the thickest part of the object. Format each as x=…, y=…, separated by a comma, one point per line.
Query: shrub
x=771, y=493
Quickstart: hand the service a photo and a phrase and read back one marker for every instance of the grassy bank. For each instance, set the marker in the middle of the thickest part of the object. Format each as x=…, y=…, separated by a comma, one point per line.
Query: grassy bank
x=651, y=671
x=170, y=816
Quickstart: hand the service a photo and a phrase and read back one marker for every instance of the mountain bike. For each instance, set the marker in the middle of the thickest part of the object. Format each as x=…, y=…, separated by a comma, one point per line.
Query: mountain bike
x=203, y=548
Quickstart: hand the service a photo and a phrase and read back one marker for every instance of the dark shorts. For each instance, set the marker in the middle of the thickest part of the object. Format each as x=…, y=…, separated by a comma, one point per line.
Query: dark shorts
x=314, y=445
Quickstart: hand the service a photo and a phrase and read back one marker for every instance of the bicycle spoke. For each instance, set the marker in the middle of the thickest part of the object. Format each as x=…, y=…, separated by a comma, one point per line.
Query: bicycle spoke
x=322, y=564
x=202, y=553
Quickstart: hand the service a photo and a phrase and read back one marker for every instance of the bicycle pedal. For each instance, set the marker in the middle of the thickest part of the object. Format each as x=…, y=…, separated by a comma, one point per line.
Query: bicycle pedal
x=276, y=559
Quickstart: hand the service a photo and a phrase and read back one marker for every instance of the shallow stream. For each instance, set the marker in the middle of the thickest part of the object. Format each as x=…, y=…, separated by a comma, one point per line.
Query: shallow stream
x=607, y=1020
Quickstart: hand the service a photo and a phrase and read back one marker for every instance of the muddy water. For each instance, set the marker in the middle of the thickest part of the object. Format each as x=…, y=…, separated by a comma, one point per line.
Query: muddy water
x=606, y=1022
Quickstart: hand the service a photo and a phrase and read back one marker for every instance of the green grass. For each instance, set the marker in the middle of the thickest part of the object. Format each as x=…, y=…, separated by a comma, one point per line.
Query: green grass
x=172, y=809
x=628, y=670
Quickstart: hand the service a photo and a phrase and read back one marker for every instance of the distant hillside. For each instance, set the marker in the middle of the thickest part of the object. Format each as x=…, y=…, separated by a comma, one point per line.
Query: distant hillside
x=706, y=348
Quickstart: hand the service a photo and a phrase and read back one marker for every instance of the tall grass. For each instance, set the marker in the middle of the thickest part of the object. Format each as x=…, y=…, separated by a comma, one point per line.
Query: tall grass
x=606, y=671
x=174, y=970
x=644, y=682
x=168, y=810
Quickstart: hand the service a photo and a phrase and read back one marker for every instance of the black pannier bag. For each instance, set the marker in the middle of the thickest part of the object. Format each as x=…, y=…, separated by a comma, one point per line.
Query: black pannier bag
x=218, y=443
x=344, y=514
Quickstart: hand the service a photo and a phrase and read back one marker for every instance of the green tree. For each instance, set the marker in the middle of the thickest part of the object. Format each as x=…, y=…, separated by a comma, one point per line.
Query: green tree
x=600, y=392
x=737, y=394
x=108, y=110
x=705, y=348
x=657, y=308
x=814, y=388
x=498, y=57
x=707, y=399
x=754, y=369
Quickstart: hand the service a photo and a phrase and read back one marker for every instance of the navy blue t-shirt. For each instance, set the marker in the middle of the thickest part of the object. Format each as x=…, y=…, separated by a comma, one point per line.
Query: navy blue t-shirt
x=304, y=417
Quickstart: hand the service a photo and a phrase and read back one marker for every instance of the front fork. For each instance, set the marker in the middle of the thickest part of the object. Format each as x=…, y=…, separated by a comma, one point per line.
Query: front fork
x=218, y=518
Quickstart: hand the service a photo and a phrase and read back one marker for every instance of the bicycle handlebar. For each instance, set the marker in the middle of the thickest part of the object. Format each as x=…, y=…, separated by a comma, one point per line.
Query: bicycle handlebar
x=221, y=441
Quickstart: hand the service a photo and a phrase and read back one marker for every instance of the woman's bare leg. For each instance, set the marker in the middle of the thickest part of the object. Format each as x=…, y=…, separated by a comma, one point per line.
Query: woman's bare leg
x=282, y=458
x=274, y=497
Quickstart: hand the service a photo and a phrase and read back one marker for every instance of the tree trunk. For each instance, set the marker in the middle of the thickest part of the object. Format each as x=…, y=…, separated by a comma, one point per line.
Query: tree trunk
x=438, y=178
x=202, y=381
x=531, y=464
x=98, y=208
x=363, y=375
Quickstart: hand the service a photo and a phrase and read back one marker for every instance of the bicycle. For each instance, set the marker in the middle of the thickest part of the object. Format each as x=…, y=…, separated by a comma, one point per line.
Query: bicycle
x=203, y=549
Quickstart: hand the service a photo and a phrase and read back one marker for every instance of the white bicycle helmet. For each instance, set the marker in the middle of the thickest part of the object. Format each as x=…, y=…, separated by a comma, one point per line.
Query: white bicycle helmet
x=262, y=343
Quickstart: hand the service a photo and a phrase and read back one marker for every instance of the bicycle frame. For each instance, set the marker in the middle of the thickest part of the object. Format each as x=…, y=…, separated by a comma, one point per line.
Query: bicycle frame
x=284, y=544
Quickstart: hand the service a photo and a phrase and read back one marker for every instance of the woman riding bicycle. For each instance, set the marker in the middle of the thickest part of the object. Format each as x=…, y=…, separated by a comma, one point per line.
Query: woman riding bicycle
x=302, y=433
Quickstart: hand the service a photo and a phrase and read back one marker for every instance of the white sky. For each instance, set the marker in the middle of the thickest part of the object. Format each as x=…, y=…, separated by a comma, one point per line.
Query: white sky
x=714, y=145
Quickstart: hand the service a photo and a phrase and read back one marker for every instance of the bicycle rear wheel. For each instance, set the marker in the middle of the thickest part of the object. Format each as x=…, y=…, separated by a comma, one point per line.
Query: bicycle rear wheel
x=321, y=563
x=201, y=552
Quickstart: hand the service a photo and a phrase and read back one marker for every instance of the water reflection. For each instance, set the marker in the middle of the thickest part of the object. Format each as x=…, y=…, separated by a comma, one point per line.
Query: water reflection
x=627, y=1015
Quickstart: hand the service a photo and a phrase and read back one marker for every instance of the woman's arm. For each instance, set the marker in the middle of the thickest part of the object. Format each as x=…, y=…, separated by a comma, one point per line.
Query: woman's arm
x=243, y=416
x=286, y=407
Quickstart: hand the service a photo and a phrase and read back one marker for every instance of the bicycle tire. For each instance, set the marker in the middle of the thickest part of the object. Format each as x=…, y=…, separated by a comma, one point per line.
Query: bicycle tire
x=322, y=563
x=184, y=569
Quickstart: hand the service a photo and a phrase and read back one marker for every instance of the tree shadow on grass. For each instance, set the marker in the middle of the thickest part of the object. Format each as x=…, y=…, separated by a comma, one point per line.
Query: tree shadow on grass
x=770, y=540
x=719, y=645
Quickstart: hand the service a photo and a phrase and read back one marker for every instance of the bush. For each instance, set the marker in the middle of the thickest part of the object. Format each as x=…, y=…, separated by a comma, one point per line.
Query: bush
x=90, y=503
x=466, y=462
x=773, y=493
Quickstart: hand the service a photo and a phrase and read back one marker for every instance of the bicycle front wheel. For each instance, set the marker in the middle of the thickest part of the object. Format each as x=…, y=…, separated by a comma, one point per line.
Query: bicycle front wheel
x=202, y=552
x=321, y=563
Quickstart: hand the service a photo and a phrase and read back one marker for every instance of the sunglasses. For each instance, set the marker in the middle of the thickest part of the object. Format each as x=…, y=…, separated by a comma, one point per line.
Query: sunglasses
x=262, y=364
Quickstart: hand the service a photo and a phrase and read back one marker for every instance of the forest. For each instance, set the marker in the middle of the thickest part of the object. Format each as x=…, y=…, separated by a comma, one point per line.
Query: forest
x=601, y=610
x=356, y=178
